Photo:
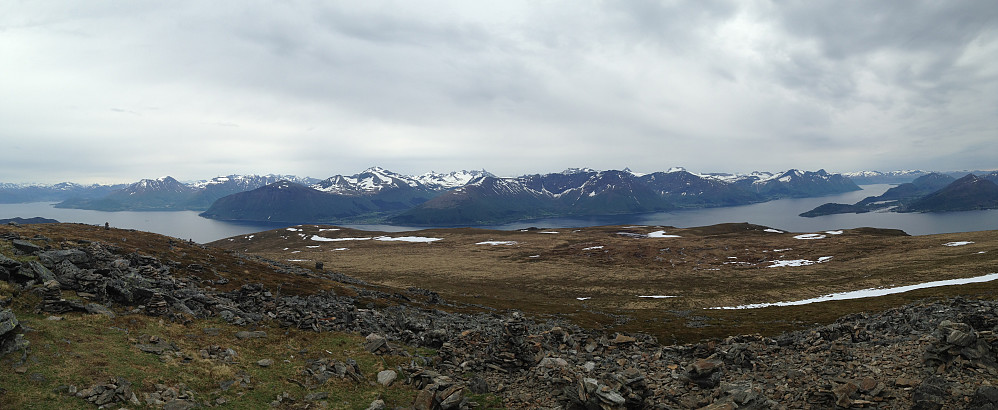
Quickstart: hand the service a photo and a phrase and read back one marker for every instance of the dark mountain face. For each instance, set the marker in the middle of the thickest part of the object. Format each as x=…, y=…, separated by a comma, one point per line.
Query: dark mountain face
x=483, y=201
x=798, y=184
x=968, y=193
x=585, y=192
x=908, y=192
x=220, y=187
x=284, y=201
x=559, y=183
x=896, y=197
x=613, y=192
x=686, y=189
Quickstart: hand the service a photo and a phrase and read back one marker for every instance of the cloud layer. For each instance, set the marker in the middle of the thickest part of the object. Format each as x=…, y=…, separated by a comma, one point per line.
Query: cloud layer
x=112, y=91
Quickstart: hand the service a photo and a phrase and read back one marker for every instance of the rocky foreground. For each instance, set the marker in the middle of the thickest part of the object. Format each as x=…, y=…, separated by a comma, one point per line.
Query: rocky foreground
x=926, y=356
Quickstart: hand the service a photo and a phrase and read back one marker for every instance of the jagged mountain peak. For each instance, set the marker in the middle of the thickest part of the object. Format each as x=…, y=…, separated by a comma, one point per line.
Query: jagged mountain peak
x=584, y=170
x=450, y=180
x=370, y=181
x=162, y=184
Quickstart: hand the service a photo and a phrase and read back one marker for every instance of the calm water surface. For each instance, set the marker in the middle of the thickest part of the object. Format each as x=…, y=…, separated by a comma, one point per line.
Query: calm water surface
x=780, y=214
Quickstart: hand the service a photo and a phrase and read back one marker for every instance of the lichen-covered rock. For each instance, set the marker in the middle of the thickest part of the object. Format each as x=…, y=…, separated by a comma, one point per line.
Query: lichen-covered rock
x=11, y=336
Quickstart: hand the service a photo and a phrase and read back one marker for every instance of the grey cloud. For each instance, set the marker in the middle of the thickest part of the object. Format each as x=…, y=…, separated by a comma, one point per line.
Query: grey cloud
x=514, y=87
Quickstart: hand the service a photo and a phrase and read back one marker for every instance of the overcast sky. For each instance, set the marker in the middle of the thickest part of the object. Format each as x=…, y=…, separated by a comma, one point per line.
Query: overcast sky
x=116, y=91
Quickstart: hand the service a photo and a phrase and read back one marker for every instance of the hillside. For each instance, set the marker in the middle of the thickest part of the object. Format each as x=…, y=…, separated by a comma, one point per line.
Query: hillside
x=285, y=201
x=965, y=194
x=153, y=320
x=928, y=193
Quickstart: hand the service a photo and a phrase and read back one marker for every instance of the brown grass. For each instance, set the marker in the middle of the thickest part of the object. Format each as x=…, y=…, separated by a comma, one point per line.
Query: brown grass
x=710, y=266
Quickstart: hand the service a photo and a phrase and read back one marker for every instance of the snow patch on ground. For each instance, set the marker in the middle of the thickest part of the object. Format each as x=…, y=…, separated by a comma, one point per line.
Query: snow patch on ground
x=593, y=248
x=661, y=234
x=311, y=246
x=657, y=296
x=293, y=229
x=328, y=229
x=341, y=249
x=324, y=239
x=771, y=230
x=834, y=232
x=585, y=298
x=799, y=262
x=422, y=239
x=810, y=236
x=869, y=293
x=534, y=256
x=297, y=260
x=493, y=243
x=961, y=243
x=548, y=232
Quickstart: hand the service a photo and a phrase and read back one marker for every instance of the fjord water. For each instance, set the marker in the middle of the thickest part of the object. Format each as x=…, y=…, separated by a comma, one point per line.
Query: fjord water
x=783, y=214
x=779, y=214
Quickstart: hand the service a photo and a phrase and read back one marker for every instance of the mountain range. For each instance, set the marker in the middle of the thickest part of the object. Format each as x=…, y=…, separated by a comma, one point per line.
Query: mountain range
x=482, y=199
x=377, y=195
x=21, y=193
x=932, y=192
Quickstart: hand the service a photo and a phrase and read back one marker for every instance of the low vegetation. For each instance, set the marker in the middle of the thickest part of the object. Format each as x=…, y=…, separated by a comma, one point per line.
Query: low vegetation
x=595, y=276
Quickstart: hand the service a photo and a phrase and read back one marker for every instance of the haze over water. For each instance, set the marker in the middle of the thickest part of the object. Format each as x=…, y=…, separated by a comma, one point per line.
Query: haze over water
x=779, y=214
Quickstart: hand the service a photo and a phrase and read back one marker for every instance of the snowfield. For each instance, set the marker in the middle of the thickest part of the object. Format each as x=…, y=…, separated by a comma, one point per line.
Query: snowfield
x=799, y=262
x=377, y=238
x=661, y=234
x=961, y=243
x=324, y=239
x=870, y=293
x=421, y=239
x=494, y=243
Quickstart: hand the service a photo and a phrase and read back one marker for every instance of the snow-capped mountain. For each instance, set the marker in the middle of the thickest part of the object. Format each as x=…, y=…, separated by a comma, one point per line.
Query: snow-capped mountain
x=161, y=185
x=372, y=180
x=888, y=177
x=471, y=197
x=487, y=200
x=450, y=180
x=248, y=182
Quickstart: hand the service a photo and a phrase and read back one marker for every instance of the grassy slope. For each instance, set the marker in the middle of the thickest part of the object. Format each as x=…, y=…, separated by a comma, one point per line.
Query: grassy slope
x=84, y=350
x=545, y=273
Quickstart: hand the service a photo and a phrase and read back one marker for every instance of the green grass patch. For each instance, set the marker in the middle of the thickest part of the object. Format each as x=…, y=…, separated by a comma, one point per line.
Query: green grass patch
x=83, y=350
